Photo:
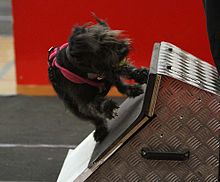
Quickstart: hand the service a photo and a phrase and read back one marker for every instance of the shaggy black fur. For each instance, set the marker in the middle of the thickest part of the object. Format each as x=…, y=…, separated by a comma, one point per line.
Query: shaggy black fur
x=97, y=53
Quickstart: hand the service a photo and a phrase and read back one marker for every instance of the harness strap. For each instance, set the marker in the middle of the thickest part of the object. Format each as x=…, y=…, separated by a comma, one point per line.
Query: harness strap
x=66, y=73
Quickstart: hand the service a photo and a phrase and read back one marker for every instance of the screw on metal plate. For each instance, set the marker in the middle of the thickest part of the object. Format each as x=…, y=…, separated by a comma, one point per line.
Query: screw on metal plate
x=169, y=67
x=143, y=152
x=170, y=49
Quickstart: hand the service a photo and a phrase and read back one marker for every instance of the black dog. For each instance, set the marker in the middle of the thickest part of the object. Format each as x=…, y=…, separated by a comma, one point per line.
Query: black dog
x=83, y=70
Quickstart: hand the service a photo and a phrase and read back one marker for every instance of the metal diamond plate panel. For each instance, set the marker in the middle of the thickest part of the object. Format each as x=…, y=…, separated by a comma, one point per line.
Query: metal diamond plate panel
x=183, y=66
x=187, y=118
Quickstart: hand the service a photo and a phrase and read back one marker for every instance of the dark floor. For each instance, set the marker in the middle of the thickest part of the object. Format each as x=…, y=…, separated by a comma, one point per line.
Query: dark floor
x=35, y=135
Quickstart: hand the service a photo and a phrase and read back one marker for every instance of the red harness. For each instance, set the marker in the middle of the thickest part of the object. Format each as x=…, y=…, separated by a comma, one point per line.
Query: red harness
x=68, y=74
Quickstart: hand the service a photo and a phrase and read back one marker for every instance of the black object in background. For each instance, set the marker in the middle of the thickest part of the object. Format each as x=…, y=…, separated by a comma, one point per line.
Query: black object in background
x=212, y=11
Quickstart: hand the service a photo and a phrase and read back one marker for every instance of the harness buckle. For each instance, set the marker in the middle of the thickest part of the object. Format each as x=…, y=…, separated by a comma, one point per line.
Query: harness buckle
x=51, y=49
x=49, y=52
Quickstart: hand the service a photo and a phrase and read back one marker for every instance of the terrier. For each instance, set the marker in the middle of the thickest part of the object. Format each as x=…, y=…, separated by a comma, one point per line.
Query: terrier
x=83, y=70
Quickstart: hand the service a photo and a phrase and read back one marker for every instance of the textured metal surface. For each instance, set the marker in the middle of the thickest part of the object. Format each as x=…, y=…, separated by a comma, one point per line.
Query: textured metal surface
x=188, y=118
x=184, y=66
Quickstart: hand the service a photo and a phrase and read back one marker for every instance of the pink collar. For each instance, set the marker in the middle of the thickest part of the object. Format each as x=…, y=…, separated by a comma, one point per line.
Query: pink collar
x=70, y=75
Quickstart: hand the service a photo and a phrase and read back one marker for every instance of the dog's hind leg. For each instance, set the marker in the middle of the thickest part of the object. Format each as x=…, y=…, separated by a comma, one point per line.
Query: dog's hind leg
x=105, y=106
x=101, y=129
x=88, y=111
x=98, y=110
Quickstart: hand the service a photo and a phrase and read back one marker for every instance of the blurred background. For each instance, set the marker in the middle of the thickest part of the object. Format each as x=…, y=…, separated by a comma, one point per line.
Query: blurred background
x=36, y=130
x=29, y=28
x=7, y=59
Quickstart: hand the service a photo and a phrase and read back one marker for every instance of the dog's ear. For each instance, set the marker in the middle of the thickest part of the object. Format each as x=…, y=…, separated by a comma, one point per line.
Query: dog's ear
x=99, y=21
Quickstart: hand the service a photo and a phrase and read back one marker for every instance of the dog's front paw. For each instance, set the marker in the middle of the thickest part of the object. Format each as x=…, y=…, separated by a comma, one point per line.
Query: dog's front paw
x=110, y=109
x=141, y=75
x=100, y=133
x=134, y=90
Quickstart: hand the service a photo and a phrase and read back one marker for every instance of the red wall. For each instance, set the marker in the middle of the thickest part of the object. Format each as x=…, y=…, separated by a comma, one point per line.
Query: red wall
x=40, y=24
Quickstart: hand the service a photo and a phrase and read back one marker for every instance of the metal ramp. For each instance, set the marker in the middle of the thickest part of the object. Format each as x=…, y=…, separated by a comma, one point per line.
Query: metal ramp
x=170, y=133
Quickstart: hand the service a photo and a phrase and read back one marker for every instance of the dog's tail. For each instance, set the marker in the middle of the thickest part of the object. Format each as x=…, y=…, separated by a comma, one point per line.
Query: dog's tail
x=101, y=22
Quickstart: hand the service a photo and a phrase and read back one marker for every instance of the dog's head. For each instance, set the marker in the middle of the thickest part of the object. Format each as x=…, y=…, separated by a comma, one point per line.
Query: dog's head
x=97, y=50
